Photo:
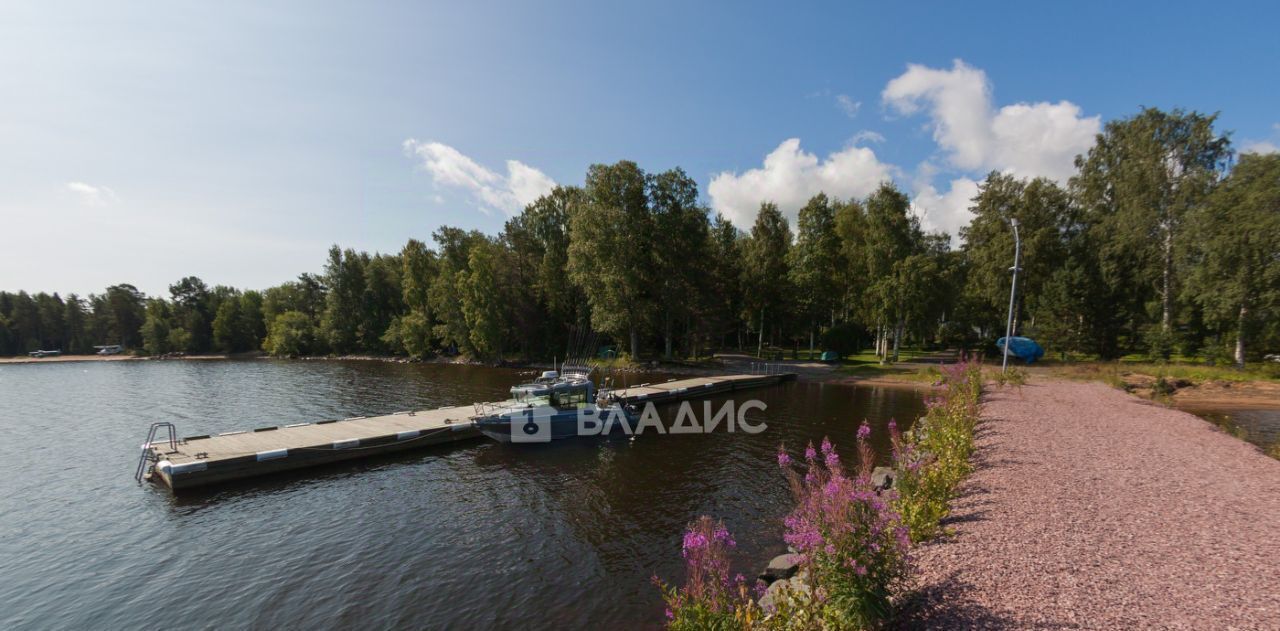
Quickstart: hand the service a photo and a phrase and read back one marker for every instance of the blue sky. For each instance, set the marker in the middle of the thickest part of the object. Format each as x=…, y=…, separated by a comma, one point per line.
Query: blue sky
x=142, y=142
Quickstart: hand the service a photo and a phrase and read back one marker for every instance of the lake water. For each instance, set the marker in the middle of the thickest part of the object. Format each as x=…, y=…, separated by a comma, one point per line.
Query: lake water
x=473, y=535
x=1260, y=427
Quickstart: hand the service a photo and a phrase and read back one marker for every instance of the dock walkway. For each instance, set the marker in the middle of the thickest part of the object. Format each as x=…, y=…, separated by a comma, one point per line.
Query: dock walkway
x=203, y=460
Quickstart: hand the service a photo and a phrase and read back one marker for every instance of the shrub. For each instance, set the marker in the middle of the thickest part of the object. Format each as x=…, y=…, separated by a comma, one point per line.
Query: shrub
x=1014, y=376
x=289, y=335
x=933, y=458
x=844, y=339
x=852, y=543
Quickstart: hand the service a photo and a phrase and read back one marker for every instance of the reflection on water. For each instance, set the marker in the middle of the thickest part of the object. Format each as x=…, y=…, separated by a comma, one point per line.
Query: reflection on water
x=1260, y=427
x=477, y=534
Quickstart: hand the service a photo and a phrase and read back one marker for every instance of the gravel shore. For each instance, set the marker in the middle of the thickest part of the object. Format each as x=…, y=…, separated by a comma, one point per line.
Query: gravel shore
x=1090, y=508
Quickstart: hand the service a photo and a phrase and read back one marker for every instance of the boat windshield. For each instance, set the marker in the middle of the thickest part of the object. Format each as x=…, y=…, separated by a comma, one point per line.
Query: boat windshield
x=537, y=400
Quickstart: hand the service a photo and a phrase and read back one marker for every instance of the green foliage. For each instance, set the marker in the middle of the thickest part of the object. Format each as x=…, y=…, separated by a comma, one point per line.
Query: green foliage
x=226, y=326
x=290, y=334
x=844, y=338
x=410, y=334
x=1235, y=279
x=1158, y=246
x=344, y=304
x=122, y=311
x=179, y=339
x=813, y=257
x=611, y=251
x=155, y=329
x=765, y=270
x=933, y=458
x=1043, y=212
x=446, y=288
x=483, y=305
x=1013, y=376
x=1135, y=187
x=681, y=223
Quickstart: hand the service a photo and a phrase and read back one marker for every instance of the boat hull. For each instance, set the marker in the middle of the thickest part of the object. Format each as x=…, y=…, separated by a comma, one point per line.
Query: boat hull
x=543, y=426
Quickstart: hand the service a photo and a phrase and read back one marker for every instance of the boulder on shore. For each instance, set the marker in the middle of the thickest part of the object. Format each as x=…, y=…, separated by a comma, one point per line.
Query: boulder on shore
x=781, y=568
x=796, y=584
x=882, y=478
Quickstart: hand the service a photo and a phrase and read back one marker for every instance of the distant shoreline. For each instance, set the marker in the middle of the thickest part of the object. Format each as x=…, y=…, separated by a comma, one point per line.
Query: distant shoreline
x=808, y=371
x=21, y=359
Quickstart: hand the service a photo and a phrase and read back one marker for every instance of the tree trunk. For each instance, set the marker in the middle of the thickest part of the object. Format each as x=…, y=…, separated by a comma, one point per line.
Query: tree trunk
x=666, y=334
x=635, y=345
x=897, y=339
x=815, y=325
x=1240, y=337
x=760, y=342
x=1167, y=297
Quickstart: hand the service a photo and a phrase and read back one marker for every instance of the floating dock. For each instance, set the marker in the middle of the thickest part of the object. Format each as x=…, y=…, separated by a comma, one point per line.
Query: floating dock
x=201, y=460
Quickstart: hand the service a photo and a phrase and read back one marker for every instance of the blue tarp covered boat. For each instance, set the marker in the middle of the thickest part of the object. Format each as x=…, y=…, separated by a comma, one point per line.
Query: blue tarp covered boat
x=1022, y=347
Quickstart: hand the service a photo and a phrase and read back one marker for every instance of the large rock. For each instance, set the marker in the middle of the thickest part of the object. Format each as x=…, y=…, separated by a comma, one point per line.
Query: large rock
x=782, y=567
x=797, y=584
x=882, y=478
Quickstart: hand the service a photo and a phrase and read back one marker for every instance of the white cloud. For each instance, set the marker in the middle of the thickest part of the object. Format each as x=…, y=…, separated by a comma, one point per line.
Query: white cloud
x=790, y=176
x=947, y=212
x=847, y=105
x=509, y=193
x=1263, y=146
x=91, y=195
x=1260, y=147
x=866, y=135
x=1026, y=139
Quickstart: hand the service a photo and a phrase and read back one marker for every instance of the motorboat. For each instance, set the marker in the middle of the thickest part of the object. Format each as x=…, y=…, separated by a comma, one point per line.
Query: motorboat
x=554, y=406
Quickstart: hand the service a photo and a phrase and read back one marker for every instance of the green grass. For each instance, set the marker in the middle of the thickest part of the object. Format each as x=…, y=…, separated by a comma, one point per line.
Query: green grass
x=905, y=355
x=1114, y=372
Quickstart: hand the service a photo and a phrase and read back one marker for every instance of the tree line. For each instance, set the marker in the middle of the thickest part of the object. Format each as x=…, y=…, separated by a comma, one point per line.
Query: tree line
x=1162, y=242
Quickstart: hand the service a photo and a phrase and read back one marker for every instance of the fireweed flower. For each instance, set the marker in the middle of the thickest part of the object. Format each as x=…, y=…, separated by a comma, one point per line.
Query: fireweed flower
x=846, y=533
x=708, y=587
x=784, y=460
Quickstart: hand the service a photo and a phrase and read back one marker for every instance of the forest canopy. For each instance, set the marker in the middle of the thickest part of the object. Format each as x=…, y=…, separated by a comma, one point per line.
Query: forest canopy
x=1163, y=242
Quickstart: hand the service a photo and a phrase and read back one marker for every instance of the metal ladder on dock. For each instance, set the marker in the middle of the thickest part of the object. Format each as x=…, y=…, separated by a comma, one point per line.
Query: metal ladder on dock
x=148, y=458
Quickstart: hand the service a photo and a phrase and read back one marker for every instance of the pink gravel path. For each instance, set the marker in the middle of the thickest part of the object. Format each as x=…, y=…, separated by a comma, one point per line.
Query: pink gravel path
x=1090, y=508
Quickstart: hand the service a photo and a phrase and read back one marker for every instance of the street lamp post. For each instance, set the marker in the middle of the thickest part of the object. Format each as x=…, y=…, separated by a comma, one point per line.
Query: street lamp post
x=1013, y=291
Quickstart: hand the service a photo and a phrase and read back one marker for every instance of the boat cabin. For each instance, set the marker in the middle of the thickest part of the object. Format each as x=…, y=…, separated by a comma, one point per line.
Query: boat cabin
x=551, y=389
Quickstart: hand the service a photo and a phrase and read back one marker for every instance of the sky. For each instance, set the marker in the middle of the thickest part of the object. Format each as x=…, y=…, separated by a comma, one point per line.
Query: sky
x=141, y=142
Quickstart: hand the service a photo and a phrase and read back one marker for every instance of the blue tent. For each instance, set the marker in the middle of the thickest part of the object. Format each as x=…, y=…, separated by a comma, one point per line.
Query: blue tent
x=1023, y=347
